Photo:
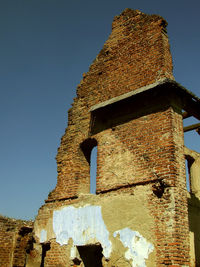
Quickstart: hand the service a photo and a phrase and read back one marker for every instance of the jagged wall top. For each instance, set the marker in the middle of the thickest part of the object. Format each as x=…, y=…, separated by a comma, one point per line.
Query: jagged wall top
x=136, y=54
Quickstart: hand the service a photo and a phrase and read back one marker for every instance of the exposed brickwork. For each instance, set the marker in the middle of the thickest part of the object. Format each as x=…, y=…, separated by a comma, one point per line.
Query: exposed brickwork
x=140, y=161
x=57, y=256
x=136, y=54
x=146, y=149
x=16, y=238
x=171, y=213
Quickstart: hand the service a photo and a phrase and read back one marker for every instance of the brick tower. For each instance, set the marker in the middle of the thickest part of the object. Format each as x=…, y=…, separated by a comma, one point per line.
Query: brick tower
x=129, y=106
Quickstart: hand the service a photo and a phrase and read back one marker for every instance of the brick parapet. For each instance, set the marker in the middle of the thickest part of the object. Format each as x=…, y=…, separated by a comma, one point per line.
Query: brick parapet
x=136, y=54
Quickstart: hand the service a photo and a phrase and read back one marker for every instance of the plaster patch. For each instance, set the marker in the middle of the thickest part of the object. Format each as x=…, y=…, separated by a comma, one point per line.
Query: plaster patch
x=73, y=252
x=138, y=248
x=43, y=236
x=84, y=225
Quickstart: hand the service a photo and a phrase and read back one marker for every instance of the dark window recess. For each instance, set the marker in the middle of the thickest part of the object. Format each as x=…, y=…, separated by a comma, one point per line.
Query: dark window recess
x=91, y=255
x=45, y=248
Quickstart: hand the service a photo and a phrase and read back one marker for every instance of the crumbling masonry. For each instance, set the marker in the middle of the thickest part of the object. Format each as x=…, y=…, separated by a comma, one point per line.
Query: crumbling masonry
x=129, y=106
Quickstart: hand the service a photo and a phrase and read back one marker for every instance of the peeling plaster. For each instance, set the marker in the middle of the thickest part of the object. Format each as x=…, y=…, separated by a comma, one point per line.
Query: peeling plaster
x=83, y=225
x=138, y=248
x=73, y=252
x=43, y=236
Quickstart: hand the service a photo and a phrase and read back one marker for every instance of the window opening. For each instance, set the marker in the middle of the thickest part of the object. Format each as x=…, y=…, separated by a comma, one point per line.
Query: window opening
x=89, y=148
x=187, y=170
x=191, y=137
x=93, y=170
x=191, y=127
x=45, y=248
x=188, y=164
x=91, y=255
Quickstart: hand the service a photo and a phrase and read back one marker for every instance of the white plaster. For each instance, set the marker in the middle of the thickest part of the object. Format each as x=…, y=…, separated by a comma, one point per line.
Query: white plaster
x=138, y=248
x=43, y=236
x=73, y=252
x=84, y=225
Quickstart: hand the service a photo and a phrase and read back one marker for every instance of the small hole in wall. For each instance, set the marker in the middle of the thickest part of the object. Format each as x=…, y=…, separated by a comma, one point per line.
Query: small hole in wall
x=25, y=231
x=76, y=261
x=159, y=188
x=93, y=170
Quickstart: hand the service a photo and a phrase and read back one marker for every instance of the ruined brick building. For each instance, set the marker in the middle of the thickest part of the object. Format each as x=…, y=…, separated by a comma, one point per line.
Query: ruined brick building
x=129, y=106
x=16, y=241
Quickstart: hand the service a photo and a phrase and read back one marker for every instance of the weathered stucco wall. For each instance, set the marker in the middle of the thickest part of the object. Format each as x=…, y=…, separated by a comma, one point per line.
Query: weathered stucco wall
x=111, y=220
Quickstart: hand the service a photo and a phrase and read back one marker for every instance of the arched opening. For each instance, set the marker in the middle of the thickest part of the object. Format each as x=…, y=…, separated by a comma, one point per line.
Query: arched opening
x=89, y=148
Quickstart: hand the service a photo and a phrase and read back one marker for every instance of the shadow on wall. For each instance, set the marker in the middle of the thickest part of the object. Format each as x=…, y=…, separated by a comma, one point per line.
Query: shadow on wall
x=127, y=109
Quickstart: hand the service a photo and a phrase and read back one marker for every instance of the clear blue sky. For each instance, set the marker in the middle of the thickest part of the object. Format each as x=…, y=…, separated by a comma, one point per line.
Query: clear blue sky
x=45, y=47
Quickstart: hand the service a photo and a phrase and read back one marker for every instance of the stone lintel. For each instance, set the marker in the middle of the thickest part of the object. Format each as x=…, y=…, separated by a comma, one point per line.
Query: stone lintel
x=190, y=102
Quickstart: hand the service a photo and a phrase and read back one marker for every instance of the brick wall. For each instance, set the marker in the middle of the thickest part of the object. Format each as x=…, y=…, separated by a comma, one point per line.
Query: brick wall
x=15, y=240
x=143, y=147
x=136, y=54
x=140, y=154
